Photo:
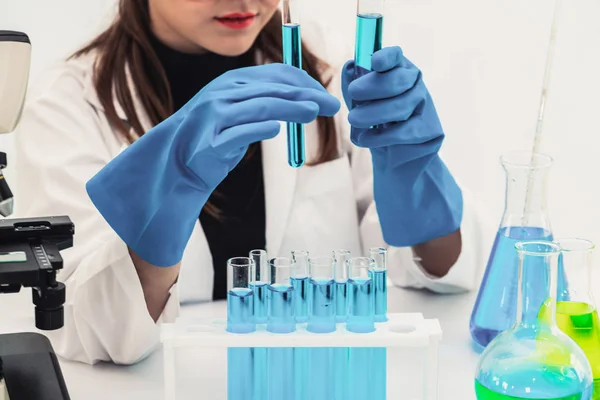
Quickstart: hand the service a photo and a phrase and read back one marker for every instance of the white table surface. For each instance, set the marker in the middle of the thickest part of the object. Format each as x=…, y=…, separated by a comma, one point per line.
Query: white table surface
x=107, y=381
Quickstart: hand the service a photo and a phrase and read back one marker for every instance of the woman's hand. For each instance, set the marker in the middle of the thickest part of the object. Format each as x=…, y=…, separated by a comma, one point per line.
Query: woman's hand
x=416, y=197
x=152, y=193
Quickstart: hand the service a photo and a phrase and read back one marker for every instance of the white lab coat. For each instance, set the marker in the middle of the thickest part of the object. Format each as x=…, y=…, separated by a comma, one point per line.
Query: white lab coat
x=64, y=139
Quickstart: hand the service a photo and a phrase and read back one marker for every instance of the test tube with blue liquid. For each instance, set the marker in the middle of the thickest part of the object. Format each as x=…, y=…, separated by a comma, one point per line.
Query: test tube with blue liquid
x=300, y=281
x=379, y=276
x=240, y=320
x=292, y=55
x=321, y=320
x=259, y=284
x=281, y=320
x=361, y=319
x=369, y=34
x=340, y=258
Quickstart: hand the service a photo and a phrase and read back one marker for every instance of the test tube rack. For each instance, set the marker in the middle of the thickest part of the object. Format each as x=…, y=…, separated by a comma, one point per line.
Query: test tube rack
x=408, y=330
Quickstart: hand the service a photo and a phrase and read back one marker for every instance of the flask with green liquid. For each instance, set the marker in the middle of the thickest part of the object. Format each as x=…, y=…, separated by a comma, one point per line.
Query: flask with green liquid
x=576, y=313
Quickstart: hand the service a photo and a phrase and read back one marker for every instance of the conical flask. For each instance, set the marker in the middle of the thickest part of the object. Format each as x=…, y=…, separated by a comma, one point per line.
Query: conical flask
x=525, y=218
x=576, y=313
x=534, y=359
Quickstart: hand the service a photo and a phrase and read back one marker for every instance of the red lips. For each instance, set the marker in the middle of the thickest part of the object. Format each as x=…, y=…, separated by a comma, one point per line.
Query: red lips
x=237, y=20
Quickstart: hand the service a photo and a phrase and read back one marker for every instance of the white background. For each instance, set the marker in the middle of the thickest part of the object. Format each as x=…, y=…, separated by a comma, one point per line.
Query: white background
x=483, y=61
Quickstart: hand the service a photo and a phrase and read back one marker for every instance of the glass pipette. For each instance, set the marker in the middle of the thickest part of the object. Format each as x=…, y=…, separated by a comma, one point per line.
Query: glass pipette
x=292, y=55
x=543, y=99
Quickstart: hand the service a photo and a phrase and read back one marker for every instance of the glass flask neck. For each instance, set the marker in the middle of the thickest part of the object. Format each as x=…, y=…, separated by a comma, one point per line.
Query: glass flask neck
x=538, y=276
x=525, y=197
x=576, y=261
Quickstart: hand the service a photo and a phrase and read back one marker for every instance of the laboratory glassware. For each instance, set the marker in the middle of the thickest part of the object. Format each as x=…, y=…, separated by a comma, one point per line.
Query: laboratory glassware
x=576, y=312
x=240, y=320
x=361, y=319
x=321, y=320
x=340, y=257
x=259, y=284
x=496, y=304
x=281, y=320
x=369, y=34
x=300, y=283
x=534, y=359
x=292, y=55
x=379, y=274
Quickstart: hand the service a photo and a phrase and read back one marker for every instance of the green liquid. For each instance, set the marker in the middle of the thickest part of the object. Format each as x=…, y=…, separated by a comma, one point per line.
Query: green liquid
x=580, y=322
x=484, y=393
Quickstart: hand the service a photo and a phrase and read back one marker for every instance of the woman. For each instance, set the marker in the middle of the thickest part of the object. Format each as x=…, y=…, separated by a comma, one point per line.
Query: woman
x=160, y=141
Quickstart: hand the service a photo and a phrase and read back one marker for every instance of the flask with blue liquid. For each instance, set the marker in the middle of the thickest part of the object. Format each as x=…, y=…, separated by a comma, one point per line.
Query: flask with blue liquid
x=525, y=218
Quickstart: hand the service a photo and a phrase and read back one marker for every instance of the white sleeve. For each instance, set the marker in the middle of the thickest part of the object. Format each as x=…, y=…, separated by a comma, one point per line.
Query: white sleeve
x=60, y=145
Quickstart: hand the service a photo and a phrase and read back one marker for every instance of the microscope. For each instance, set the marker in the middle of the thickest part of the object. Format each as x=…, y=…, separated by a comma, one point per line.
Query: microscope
x=29, y=255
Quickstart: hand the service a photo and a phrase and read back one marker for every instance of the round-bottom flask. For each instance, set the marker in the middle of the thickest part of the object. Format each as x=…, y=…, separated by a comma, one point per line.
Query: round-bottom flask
x=534, y=359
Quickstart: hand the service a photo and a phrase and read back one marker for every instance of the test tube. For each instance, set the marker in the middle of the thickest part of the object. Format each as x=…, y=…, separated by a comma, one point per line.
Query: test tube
x=259, y=284
x=281, y=297
x=240, y=312
x=321, y=319
x=281, y=321
x=361, y=302
x=369, y=32
x=321, y=310
x=361, y=319
x=292, y=55
x=379, y=360
x=240, y=320
x=260, y=281
x=340, y=257
x=379, y=275
x=300, y=283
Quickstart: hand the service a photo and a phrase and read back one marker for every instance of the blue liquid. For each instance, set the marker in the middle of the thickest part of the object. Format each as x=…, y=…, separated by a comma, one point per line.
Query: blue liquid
x=380, y=291
x=261, y=304
x=341, y=301
x=341, y=372
x=369, y=32
x=281, y=359
x=281, y=309
x=281, y=373
x=496, y=305
x=240, y=361
x=301, y=366
x=292, y=55
x=321, y=318
x=240, y=318
x=360, y=373
x=361, y=306
x=300, y=298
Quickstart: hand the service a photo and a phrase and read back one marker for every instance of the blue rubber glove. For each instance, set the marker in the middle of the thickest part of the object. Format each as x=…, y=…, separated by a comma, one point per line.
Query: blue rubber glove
x=153, y=192
x=416, y=197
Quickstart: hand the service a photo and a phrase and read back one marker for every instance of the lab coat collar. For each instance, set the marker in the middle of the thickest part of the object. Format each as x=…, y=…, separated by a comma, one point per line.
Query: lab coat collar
x=279, y=178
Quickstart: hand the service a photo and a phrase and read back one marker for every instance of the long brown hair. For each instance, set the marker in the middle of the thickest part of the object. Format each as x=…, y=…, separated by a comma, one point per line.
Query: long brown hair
x=127, y=44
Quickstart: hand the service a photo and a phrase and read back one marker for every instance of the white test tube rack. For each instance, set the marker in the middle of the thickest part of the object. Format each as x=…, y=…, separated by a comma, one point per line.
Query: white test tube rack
x=408, y=330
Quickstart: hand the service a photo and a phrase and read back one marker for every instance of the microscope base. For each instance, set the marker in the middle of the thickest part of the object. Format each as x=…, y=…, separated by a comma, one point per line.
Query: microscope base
x=31, y=369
